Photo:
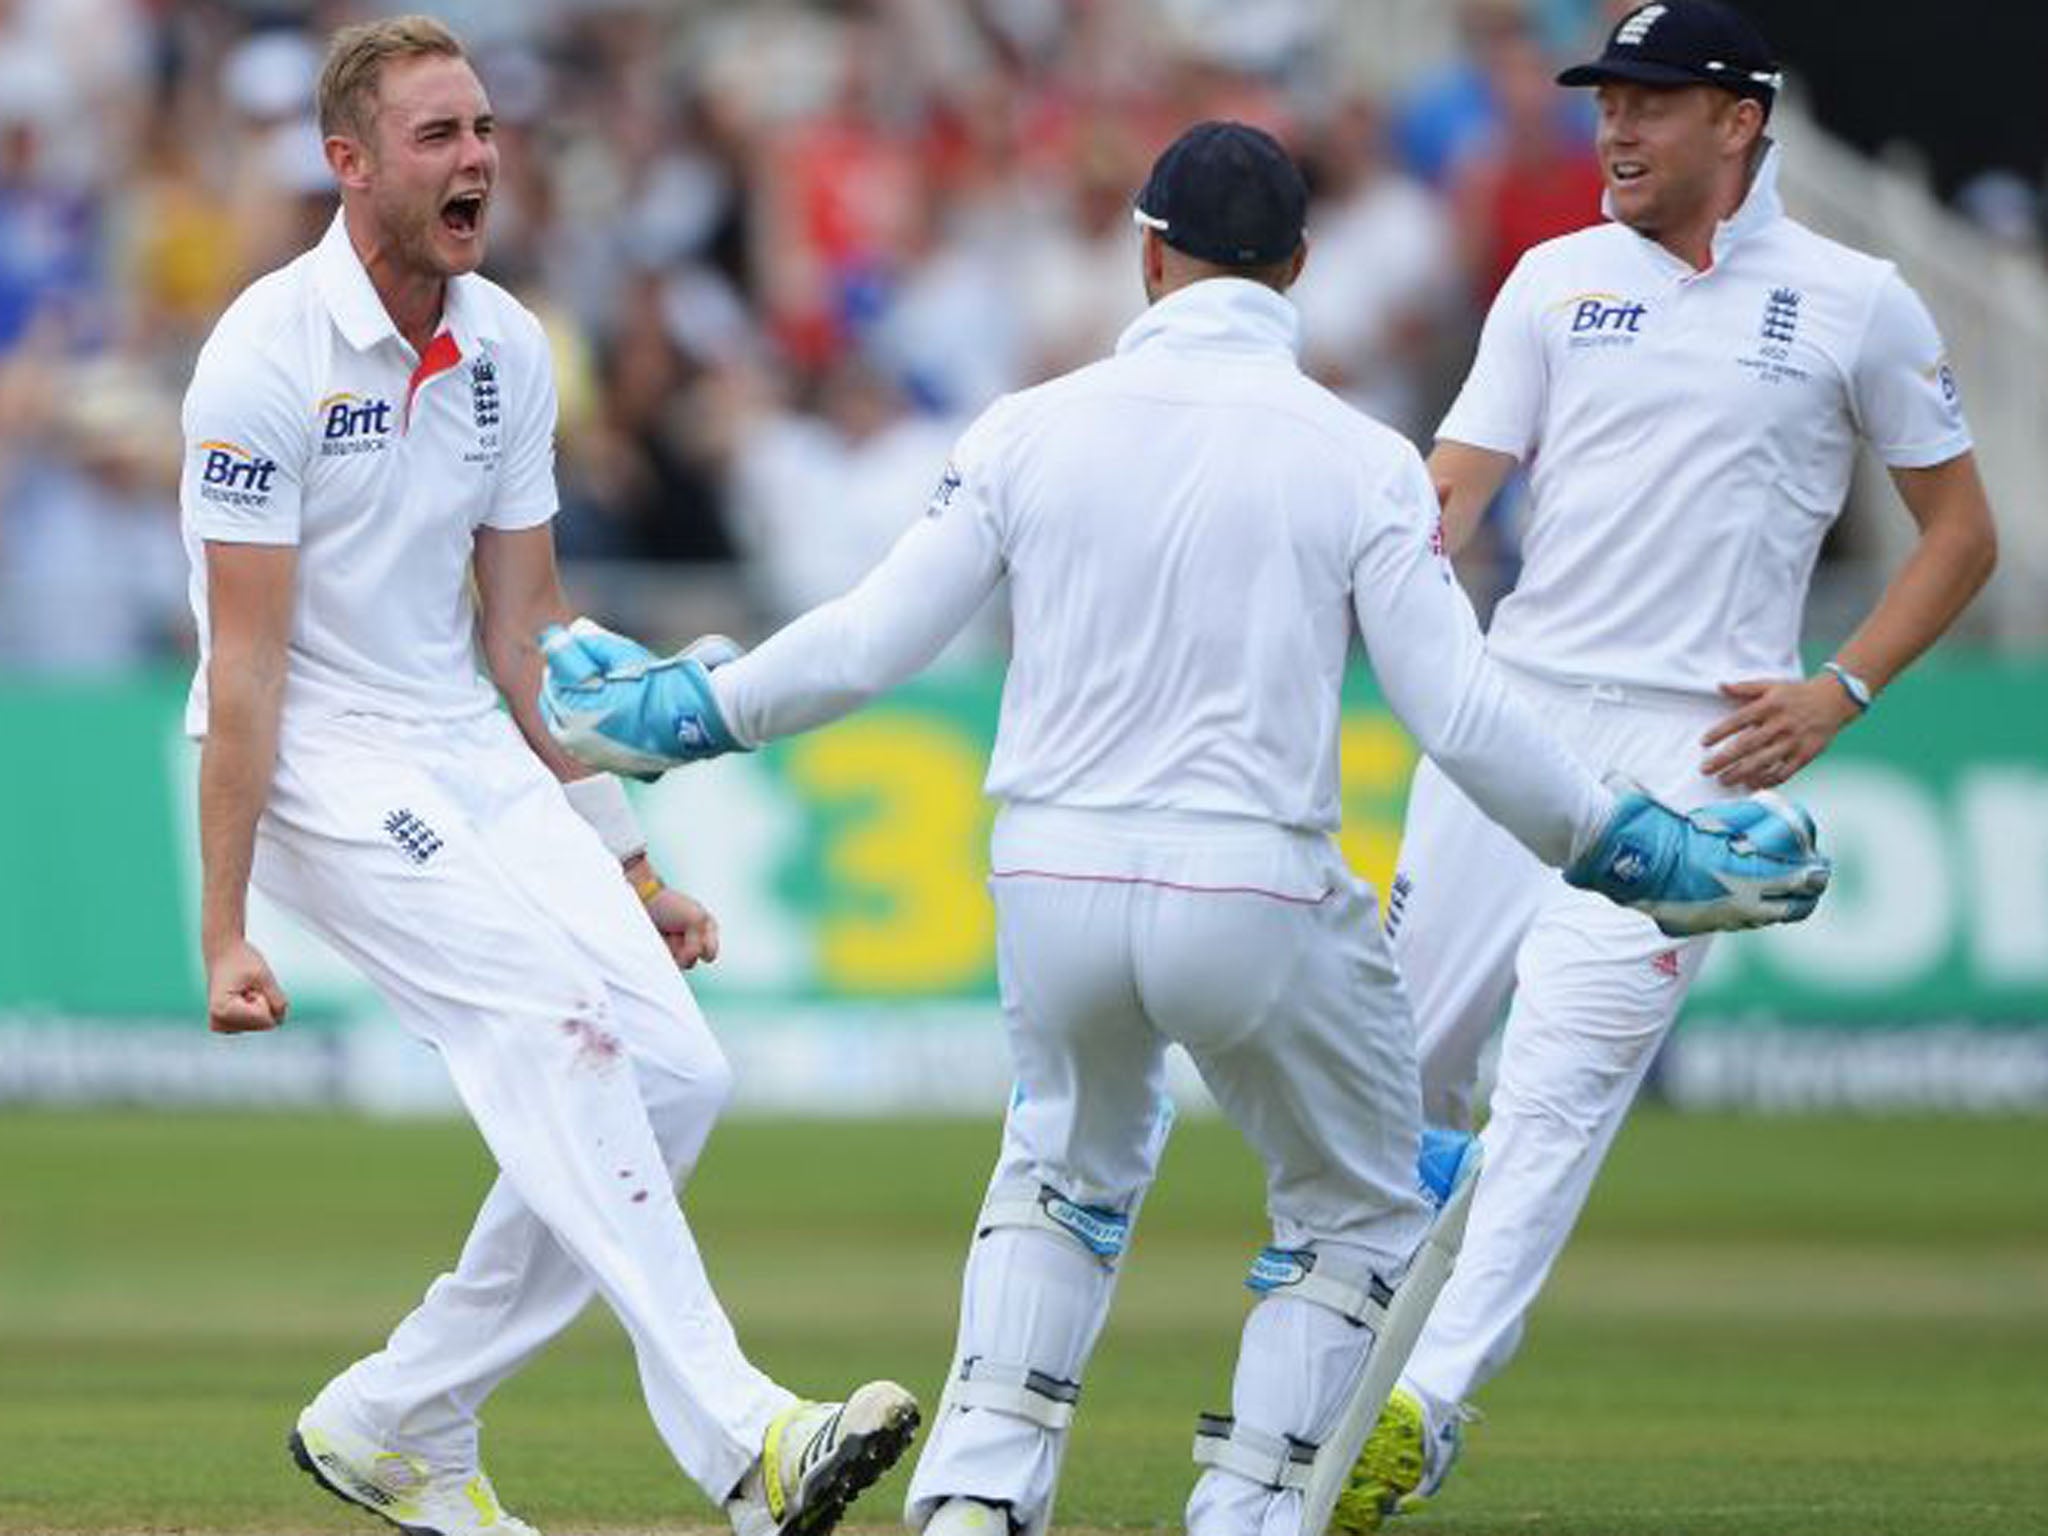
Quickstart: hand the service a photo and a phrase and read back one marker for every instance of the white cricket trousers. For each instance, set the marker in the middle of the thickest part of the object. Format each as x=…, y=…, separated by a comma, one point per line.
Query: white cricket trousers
x=445, y=862
x=1476, y=921
x=1255, y=949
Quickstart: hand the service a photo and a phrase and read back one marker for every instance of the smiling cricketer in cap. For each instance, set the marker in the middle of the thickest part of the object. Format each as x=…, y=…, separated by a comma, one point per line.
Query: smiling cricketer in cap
x=1685, y=88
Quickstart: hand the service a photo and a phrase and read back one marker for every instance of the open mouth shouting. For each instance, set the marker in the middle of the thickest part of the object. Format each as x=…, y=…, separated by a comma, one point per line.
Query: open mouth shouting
x=463, y=214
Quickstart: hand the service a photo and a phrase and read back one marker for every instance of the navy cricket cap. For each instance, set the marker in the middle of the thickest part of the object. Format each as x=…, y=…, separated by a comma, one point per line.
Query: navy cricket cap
x=1685, y=42
x=1226, y=193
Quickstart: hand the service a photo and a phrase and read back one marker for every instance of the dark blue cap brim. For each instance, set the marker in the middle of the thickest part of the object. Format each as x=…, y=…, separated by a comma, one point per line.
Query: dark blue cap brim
x=1650, y=72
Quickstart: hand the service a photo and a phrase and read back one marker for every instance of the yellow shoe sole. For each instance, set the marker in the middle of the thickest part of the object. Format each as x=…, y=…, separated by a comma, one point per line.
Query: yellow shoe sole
x=1387, y=1471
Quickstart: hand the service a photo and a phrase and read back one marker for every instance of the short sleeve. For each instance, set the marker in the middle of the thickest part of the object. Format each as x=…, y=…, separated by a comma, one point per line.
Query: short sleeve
x=246, y=445
x=526, y=478
x=1500, y=406
x=1904, y=391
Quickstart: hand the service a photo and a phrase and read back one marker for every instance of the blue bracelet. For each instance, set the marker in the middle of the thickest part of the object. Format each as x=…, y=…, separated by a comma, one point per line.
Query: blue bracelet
x=1857, y=689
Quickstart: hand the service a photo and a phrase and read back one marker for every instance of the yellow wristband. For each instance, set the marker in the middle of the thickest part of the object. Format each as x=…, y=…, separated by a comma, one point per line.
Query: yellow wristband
x=649, y=888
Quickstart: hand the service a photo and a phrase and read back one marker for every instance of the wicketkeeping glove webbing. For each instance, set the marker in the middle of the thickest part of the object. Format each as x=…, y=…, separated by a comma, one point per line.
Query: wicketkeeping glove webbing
x=1739, y=864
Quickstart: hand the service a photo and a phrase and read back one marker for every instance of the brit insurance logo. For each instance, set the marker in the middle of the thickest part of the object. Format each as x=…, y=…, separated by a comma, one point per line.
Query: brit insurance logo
x=1601, y=319
x=232, y=476
x=351, y=423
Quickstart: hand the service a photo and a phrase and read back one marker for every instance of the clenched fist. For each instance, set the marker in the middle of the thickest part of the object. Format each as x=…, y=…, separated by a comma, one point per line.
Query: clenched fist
x=241, y=994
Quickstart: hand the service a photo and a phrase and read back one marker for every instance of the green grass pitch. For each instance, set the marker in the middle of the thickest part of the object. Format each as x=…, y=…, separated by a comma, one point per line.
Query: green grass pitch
x=1764, y=1327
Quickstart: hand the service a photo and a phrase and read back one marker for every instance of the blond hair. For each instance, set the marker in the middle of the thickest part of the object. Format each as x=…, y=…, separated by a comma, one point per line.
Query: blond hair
x=355, y=62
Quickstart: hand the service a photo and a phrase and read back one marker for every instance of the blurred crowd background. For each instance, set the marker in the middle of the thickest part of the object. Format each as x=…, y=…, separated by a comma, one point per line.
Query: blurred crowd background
x=784, y=252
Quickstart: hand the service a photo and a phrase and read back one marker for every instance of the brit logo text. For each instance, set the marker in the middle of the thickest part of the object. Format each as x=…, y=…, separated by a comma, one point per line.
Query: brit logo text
x=351, y=423
x=233, y=476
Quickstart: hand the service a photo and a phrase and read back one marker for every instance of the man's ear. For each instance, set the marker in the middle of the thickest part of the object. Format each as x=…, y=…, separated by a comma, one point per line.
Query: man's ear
x=1745, y=124
x=349, y=159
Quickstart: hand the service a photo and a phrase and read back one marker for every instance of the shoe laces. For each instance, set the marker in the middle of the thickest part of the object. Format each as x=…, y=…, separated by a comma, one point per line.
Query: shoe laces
x=822, y=1438
x=400, y=1474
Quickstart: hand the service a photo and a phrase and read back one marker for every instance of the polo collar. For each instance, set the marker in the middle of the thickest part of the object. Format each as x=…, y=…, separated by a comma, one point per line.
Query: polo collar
x=1230, y=314
x=1760, y=208
x=351, y=298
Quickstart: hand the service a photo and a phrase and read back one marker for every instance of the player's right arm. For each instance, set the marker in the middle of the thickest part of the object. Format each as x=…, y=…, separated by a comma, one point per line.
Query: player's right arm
x=1497, y=417
x=1466, y=479
x=247, y=440
x=249, y=613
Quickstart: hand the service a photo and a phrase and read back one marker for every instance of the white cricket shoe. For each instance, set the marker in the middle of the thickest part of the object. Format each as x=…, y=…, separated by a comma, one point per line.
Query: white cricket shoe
x=419, y=1499
x=817, y=1457
x=968, y=1517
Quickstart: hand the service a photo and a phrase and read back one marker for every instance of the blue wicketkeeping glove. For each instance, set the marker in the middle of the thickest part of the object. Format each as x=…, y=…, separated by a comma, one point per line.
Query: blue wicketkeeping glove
x=611, y=703
x=1443, y=1160
x=1741, y=864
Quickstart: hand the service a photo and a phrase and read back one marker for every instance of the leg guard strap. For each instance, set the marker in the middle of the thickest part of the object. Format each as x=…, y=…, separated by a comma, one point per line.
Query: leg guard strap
x=1018, y=1391
x=1427, y=1272
x=1271, y=1461
x=1099, y=1229
x=1293, y=1272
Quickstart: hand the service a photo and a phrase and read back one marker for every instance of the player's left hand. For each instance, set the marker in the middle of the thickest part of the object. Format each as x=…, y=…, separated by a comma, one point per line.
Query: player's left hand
x=1777, y=729
x=685, y=924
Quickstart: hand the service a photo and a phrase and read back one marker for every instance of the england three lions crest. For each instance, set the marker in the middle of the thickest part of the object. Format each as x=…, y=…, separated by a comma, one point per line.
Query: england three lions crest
x=483, y=392
x=1781, y=317
x=1778, y=331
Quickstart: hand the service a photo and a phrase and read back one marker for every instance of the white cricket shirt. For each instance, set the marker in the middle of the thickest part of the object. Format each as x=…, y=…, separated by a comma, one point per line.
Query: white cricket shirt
x=311, y=422
x=1690, y=435
x=1191, y=530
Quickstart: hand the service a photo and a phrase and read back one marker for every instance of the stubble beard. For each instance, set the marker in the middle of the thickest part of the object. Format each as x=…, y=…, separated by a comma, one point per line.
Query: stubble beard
x=410, y=229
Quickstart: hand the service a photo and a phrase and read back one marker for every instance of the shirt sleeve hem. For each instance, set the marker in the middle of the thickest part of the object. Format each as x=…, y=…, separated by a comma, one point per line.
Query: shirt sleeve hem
x=523, y=515
x=1927, y=455
x=1480, y=435
x=233, y=533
